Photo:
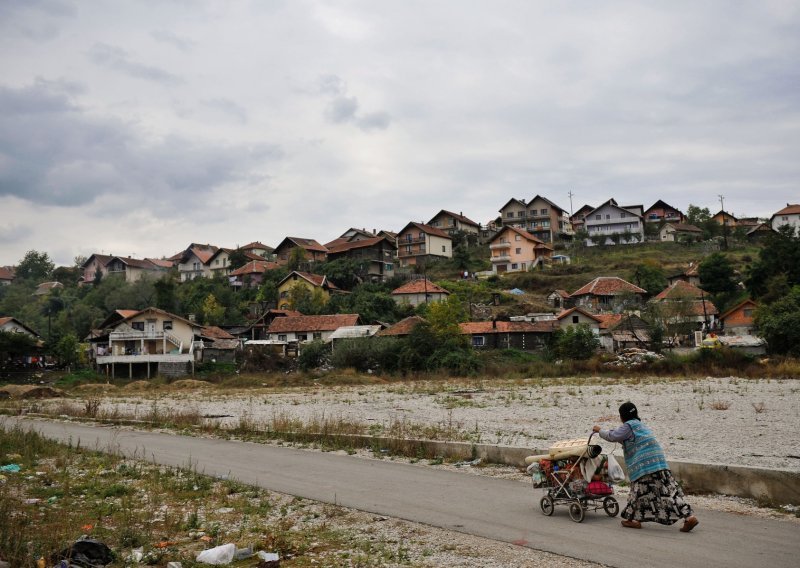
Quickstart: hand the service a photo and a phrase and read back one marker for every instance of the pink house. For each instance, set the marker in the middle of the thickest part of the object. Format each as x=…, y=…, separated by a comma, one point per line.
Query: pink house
x=516, y=250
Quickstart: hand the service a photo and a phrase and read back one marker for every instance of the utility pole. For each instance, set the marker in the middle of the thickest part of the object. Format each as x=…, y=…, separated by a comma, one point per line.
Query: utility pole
x=570, y=202
x=724, y=220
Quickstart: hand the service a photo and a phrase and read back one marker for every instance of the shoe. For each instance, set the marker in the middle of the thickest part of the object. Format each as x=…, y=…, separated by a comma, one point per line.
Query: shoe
x=689, y=523
x=634, y=524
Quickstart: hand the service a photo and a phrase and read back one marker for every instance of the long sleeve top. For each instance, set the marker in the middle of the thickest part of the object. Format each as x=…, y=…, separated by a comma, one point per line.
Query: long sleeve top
x=619, y=434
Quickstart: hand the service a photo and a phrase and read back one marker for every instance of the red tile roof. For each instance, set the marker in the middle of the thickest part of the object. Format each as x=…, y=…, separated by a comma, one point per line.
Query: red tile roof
x=420, y=287
x=403, y=327
x=255, y=267
x=427, y=229
x=350, y=245
x=315, y=279
x=524, y=234
x=163, y=263
x=312, y=323
x=608, y=320
x=308, y=244
x=6, y=273
x=101, y=258
x=484, y=327
x=607, y=286
x=214, y=332
x=457, y=216
x=256, y=245
x=685, y=227
x=562, y=293
x=680, y=289
x=790, y=209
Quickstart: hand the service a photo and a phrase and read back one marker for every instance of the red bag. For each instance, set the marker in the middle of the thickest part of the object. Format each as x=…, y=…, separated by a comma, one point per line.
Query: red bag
x=599, y=488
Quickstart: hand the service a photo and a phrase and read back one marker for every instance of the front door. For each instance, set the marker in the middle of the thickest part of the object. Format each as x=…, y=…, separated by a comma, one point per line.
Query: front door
x=150, y=327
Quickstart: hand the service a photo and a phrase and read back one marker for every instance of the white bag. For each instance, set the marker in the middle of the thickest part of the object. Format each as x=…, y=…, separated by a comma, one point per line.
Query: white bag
x=615, y=473
x=218, y=555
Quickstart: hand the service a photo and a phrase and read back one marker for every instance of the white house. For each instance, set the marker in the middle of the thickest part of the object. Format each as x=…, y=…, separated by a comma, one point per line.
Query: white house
x=789, y=215
x=611, y=219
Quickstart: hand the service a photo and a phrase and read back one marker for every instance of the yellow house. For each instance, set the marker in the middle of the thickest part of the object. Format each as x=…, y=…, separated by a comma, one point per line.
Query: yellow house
x=310, y=281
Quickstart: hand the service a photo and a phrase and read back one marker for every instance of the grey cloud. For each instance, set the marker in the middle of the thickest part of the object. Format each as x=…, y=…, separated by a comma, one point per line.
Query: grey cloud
x=63, y=156
x=331, y=85
x=374, y=121
x=117, y=59
x=172, y=39
x=229, y=107
x=55, y=8
x=41, y=97
x=342, y=109
x=12, y=233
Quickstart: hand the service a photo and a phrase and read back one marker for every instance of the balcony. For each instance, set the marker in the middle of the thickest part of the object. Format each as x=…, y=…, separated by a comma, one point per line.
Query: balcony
x=406, y=241
x=404, y=254
x=499, y=246
x=502, y=258
x=147, y=358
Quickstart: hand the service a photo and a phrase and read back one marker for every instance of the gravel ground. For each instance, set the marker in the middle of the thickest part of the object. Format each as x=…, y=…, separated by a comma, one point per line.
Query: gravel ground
x=729, y=420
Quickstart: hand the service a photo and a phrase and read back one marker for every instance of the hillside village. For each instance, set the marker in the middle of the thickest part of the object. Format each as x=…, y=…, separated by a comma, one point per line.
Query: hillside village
x=382, y=284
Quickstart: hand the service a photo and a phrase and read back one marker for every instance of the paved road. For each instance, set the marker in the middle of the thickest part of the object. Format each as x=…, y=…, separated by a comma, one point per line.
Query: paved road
x=493, y=508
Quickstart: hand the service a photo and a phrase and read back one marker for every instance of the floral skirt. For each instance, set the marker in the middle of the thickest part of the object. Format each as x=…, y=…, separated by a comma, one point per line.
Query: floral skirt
x=656, y=497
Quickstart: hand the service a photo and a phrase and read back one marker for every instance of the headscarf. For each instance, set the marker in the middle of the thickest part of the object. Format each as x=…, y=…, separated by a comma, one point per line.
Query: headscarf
x=627, y=411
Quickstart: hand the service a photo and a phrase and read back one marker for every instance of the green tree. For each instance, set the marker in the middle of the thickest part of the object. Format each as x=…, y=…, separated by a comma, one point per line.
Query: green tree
x=66, y=350
x=15, y=344
x=346, y=273
x=306, y=301
x=716, y=274
x=213, y=311
x=237, y=259
x=297, y=259
x=35, y=266
x=165, y=296
x=778, y=260
x=649, y=277
x=574, y=342
x=779, y=324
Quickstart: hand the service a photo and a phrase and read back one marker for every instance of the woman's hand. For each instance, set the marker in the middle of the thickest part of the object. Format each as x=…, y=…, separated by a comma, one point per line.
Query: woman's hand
x=596, y=428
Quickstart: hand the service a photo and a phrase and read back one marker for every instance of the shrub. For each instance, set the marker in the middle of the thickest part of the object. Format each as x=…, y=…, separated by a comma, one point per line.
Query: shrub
x=574, y=342
x=313, y=355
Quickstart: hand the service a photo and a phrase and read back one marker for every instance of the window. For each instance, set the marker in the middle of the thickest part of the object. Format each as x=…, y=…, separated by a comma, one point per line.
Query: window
x=748, y=312
x=598, y=217
x=409, y=237
x=520, y=213
x=408, y=248
x=514, y=266
x=281, y=337
x=302, y=336
x=510, y=214
x=576, y=319
x=622, y=214
x=138, y=325
x=608, y=216
x=167, y=325
x=285, y=294
x=388, y=266
x=421, y=236
x=317, y=335
x=518, y=251
x=545, y=224
x=444, y=248
x=534, y=224
x=478, y=341
x=517, y=237
x=216, y=262
x=544, y=211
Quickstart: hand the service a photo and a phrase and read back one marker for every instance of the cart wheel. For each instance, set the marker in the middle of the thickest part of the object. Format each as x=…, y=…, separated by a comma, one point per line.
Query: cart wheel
x=547, y=505
x=610, y=506
x=576, y=512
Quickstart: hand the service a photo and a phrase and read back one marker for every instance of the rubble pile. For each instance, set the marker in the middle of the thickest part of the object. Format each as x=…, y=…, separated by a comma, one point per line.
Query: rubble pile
x=633, y=357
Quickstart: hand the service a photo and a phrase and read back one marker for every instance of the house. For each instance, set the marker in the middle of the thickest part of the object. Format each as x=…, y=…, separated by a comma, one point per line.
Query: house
x=257, y=330
x=621, y=331
x=308, y=328
x=662, y=212
x=401, y=328
x=418, y=244
x=759, y=232
x=375, y=255
x=312, y=282
x=739, y=319
x=673, y=232
x=606, y=293
x=350, y=235
x=10, y=324
x=133, y=269
x=559, y=299
x=488, y=231
x=611, y=224
x=45, y=288
x=218, y=345
x=789, y=215
x=578, y=316
x=418, y=292
x=146, y=341
x=541, y=217
x=251, y=274
x=690, y=274
x=682, y=303
x=517, y=250
x=522, y=335
x=578, y=219
x=312, y=250
x=258, y=249
x=725, y=219
x=94, y=268
x=453, y=223
x=193, y=261
x=6, y=275
x=353, y=332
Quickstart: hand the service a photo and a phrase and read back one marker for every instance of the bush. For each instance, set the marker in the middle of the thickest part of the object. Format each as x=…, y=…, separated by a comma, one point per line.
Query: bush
x=574, y=342
x=313, y=355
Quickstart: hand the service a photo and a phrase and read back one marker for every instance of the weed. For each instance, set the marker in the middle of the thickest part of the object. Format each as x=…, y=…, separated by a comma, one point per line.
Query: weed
x=720, y=405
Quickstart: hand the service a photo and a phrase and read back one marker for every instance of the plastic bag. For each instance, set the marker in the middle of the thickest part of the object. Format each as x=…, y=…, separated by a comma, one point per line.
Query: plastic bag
x=615, y=472
x=218, y=555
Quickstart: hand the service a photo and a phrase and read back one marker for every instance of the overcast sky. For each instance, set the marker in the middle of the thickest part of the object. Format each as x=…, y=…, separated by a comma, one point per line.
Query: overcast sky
x=138, y=127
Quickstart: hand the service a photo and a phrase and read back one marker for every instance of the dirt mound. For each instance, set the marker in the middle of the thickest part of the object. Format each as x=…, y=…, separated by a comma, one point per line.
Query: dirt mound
x=30, y=391
x=190, y=384
x=138, y=386
x=96, y=387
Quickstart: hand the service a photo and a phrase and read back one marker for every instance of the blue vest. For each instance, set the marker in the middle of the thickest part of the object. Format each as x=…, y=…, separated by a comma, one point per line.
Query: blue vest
x=643, y=454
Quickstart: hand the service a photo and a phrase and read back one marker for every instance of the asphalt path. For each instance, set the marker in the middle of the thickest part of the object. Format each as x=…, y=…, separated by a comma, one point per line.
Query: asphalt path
x=493, y=508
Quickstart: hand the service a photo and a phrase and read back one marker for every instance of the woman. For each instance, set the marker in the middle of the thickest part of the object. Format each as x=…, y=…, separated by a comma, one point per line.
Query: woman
x=655, y=495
